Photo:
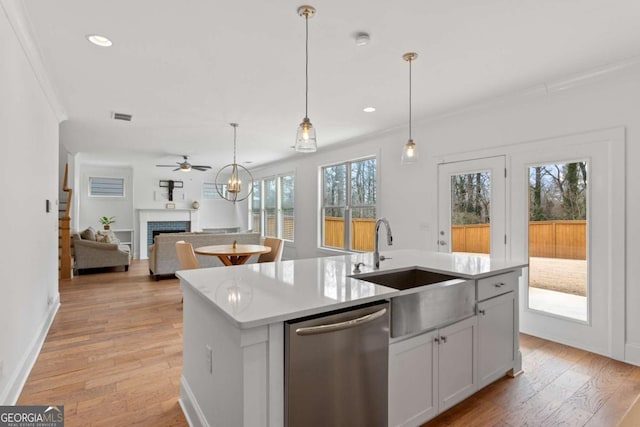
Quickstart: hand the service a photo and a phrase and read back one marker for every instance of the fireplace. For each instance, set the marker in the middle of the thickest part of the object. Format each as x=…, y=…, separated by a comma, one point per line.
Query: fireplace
x=158, y=227
x=178, y=220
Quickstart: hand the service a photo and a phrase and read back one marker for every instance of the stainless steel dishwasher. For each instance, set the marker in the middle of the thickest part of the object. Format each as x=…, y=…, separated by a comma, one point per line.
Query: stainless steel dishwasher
x=336, y=368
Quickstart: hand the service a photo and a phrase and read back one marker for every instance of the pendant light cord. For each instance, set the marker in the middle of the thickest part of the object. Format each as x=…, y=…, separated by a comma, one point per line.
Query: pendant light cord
x=235, y=126
x=410, y=99
x=306, y=66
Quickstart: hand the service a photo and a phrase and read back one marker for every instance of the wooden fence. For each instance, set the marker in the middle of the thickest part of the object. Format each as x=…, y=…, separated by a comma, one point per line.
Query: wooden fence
x=362, y=233
x=547, y=239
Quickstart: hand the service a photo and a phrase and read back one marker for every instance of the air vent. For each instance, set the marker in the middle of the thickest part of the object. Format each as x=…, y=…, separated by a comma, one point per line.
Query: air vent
x=122, y=116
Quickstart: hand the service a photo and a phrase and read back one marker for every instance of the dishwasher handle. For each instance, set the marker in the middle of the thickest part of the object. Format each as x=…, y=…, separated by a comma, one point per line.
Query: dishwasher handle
x=332, y=327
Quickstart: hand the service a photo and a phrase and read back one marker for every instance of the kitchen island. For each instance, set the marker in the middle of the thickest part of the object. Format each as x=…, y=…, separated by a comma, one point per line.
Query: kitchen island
x=233, y=372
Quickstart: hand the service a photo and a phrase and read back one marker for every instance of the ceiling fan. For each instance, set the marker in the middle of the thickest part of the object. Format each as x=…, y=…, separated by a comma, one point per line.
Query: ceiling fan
x=185, y=166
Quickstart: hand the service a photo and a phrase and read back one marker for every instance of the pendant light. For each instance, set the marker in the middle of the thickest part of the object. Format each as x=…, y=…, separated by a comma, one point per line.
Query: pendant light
x=229, y=180
x=409, y=152
x=306, y=135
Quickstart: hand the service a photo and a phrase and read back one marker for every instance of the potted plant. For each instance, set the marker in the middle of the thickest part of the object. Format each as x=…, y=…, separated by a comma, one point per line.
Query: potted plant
x=106, y=221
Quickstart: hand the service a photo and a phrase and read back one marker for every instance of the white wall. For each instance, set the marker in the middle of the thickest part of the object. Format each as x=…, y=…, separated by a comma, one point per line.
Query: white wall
x=29, y=176
x=93, y=208
x=407, y=195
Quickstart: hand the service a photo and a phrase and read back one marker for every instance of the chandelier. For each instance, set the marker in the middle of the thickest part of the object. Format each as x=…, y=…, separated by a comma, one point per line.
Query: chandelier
x=229, y=179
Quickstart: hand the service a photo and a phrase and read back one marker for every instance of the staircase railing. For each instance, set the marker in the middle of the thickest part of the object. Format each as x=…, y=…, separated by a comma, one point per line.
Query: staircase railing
x=65, y=269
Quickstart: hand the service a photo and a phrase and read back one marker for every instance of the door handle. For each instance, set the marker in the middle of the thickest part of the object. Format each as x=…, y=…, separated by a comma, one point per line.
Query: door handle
x=332, y=327
x=442, y=243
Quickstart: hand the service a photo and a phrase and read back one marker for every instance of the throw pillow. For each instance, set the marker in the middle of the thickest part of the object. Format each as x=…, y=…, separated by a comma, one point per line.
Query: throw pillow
x=106, y=237
x=88, y=234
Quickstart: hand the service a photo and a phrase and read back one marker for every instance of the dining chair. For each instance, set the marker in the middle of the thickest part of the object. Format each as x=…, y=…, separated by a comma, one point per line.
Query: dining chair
x=186, y=256
x=276, y=246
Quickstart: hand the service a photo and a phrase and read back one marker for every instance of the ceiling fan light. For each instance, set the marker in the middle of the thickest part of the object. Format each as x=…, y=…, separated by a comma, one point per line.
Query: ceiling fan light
x=185, y=167
x=306, y=137
x=409, y=153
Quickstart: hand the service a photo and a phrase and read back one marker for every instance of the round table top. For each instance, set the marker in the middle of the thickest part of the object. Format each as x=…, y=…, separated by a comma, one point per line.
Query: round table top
x=229, y=250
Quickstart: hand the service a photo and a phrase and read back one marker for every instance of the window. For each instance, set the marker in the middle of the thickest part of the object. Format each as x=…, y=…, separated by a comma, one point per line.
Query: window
x=255, y=219
x=106, y=187
x=349, y=205
x=209, y=191
x=272, y=207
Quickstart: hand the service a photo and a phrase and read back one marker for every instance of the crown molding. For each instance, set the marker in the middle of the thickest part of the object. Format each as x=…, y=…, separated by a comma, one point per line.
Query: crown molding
x=541, y=89
x=19, y=21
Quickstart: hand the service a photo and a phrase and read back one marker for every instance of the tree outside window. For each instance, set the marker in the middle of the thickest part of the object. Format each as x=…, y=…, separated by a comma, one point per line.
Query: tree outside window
x=349, y=205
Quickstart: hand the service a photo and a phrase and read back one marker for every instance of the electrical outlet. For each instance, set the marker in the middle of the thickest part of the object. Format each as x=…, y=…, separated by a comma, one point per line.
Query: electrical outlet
x=209, y=352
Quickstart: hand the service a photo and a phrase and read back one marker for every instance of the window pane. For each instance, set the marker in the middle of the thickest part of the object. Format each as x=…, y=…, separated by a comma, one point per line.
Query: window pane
x=270, y=208
x=255, y=207
x=470, y=212
x=363, y=182
x=334, y=227
x=363, y=224
x=106, y=187
x=334, y=185
x=287, y=188
x=558, y=232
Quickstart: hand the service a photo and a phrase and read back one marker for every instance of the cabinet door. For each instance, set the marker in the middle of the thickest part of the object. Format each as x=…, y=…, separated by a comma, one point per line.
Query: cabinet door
x=411, y=383
x=457, y=373
x=495, y=337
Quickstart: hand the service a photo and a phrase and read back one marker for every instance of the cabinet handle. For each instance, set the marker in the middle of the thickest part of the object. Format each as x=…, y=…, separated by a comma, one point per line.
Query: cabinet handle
x=444, y=340
x=436, y=340
x=498, y=285
x=481, y=312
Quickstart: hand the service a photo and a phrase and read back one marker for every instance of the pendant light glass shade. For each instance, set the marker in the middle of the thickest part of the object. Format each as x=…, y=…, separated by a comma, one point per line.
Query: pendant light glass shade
x=306, y=136
x=409, y=151
x=234, y=182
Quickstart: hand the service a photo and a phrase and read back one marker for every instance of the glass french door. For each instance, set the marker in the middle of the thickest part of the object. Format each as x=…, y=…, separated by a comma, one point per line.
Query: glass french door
x=472, y=207
x=562, y=214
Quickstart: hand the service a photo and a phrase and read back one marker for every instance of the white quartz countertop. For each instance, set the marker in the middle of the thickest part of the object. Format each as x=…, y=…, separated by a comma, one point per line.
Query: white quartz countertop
x=259, y=294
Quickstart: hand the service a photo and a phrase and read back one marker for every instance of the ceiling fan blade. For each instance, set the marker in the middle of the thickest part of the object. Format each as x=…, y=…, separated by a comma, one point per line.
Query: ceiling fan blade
x=176, y=169
x=200, y=167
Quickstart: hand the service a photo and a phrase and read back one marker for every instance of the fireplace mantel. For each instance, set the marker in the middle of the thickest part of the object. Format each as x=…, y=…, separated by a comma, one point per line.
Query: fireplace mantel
x=147, y=215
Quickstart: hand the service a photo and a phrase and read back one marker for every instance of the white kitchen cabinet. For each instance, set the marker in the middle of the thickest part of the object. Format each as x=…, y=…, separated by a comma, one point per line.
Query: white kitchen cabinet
x=431, y=372
x=496, y=347
x=457, y=372
x=412, y=388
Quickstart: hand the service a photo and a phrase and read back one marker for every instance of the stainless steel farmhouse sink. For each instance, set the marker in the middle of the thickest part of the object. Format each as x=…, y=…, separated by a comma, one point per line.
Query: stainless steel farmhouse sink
x=406, y=279
x=439, y=299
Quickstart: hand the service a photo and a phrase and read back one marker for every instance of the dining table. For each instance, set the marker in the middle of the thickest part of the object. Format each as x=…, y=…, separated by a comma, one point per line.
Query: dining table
x=233, y=254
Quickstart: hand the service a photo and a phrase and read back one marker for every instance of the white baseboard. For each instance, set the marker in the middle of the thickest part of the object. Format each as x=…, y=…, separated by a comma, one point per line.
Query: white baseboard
x=190, y=407
x=10, y=395
x=632, y=353
x=562, y=340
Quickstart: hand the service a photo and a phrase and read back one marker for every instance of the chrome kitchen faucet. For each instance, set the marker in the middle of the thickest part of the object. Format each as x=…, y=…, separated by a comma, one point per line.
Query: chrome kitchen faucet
x=376, y=252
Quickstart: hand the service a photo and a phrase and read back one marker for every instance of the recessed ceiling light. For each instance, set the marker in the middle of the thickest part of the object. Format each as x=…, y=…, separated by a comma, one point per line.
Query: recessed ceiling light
x=362, y=39
x=369, y=109
x=99, y=40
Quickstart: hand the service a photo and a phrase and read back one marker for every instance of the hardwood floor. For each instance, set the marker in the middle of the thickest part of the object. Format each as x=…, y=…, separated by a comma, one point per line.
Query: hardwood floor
x=561, y=386
x=113, y=357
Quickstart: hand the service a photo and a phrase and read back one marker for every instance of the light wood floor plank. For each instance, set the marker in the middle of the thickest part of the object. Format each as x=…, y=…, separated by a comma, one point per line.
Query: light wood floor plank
x=113, y=357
